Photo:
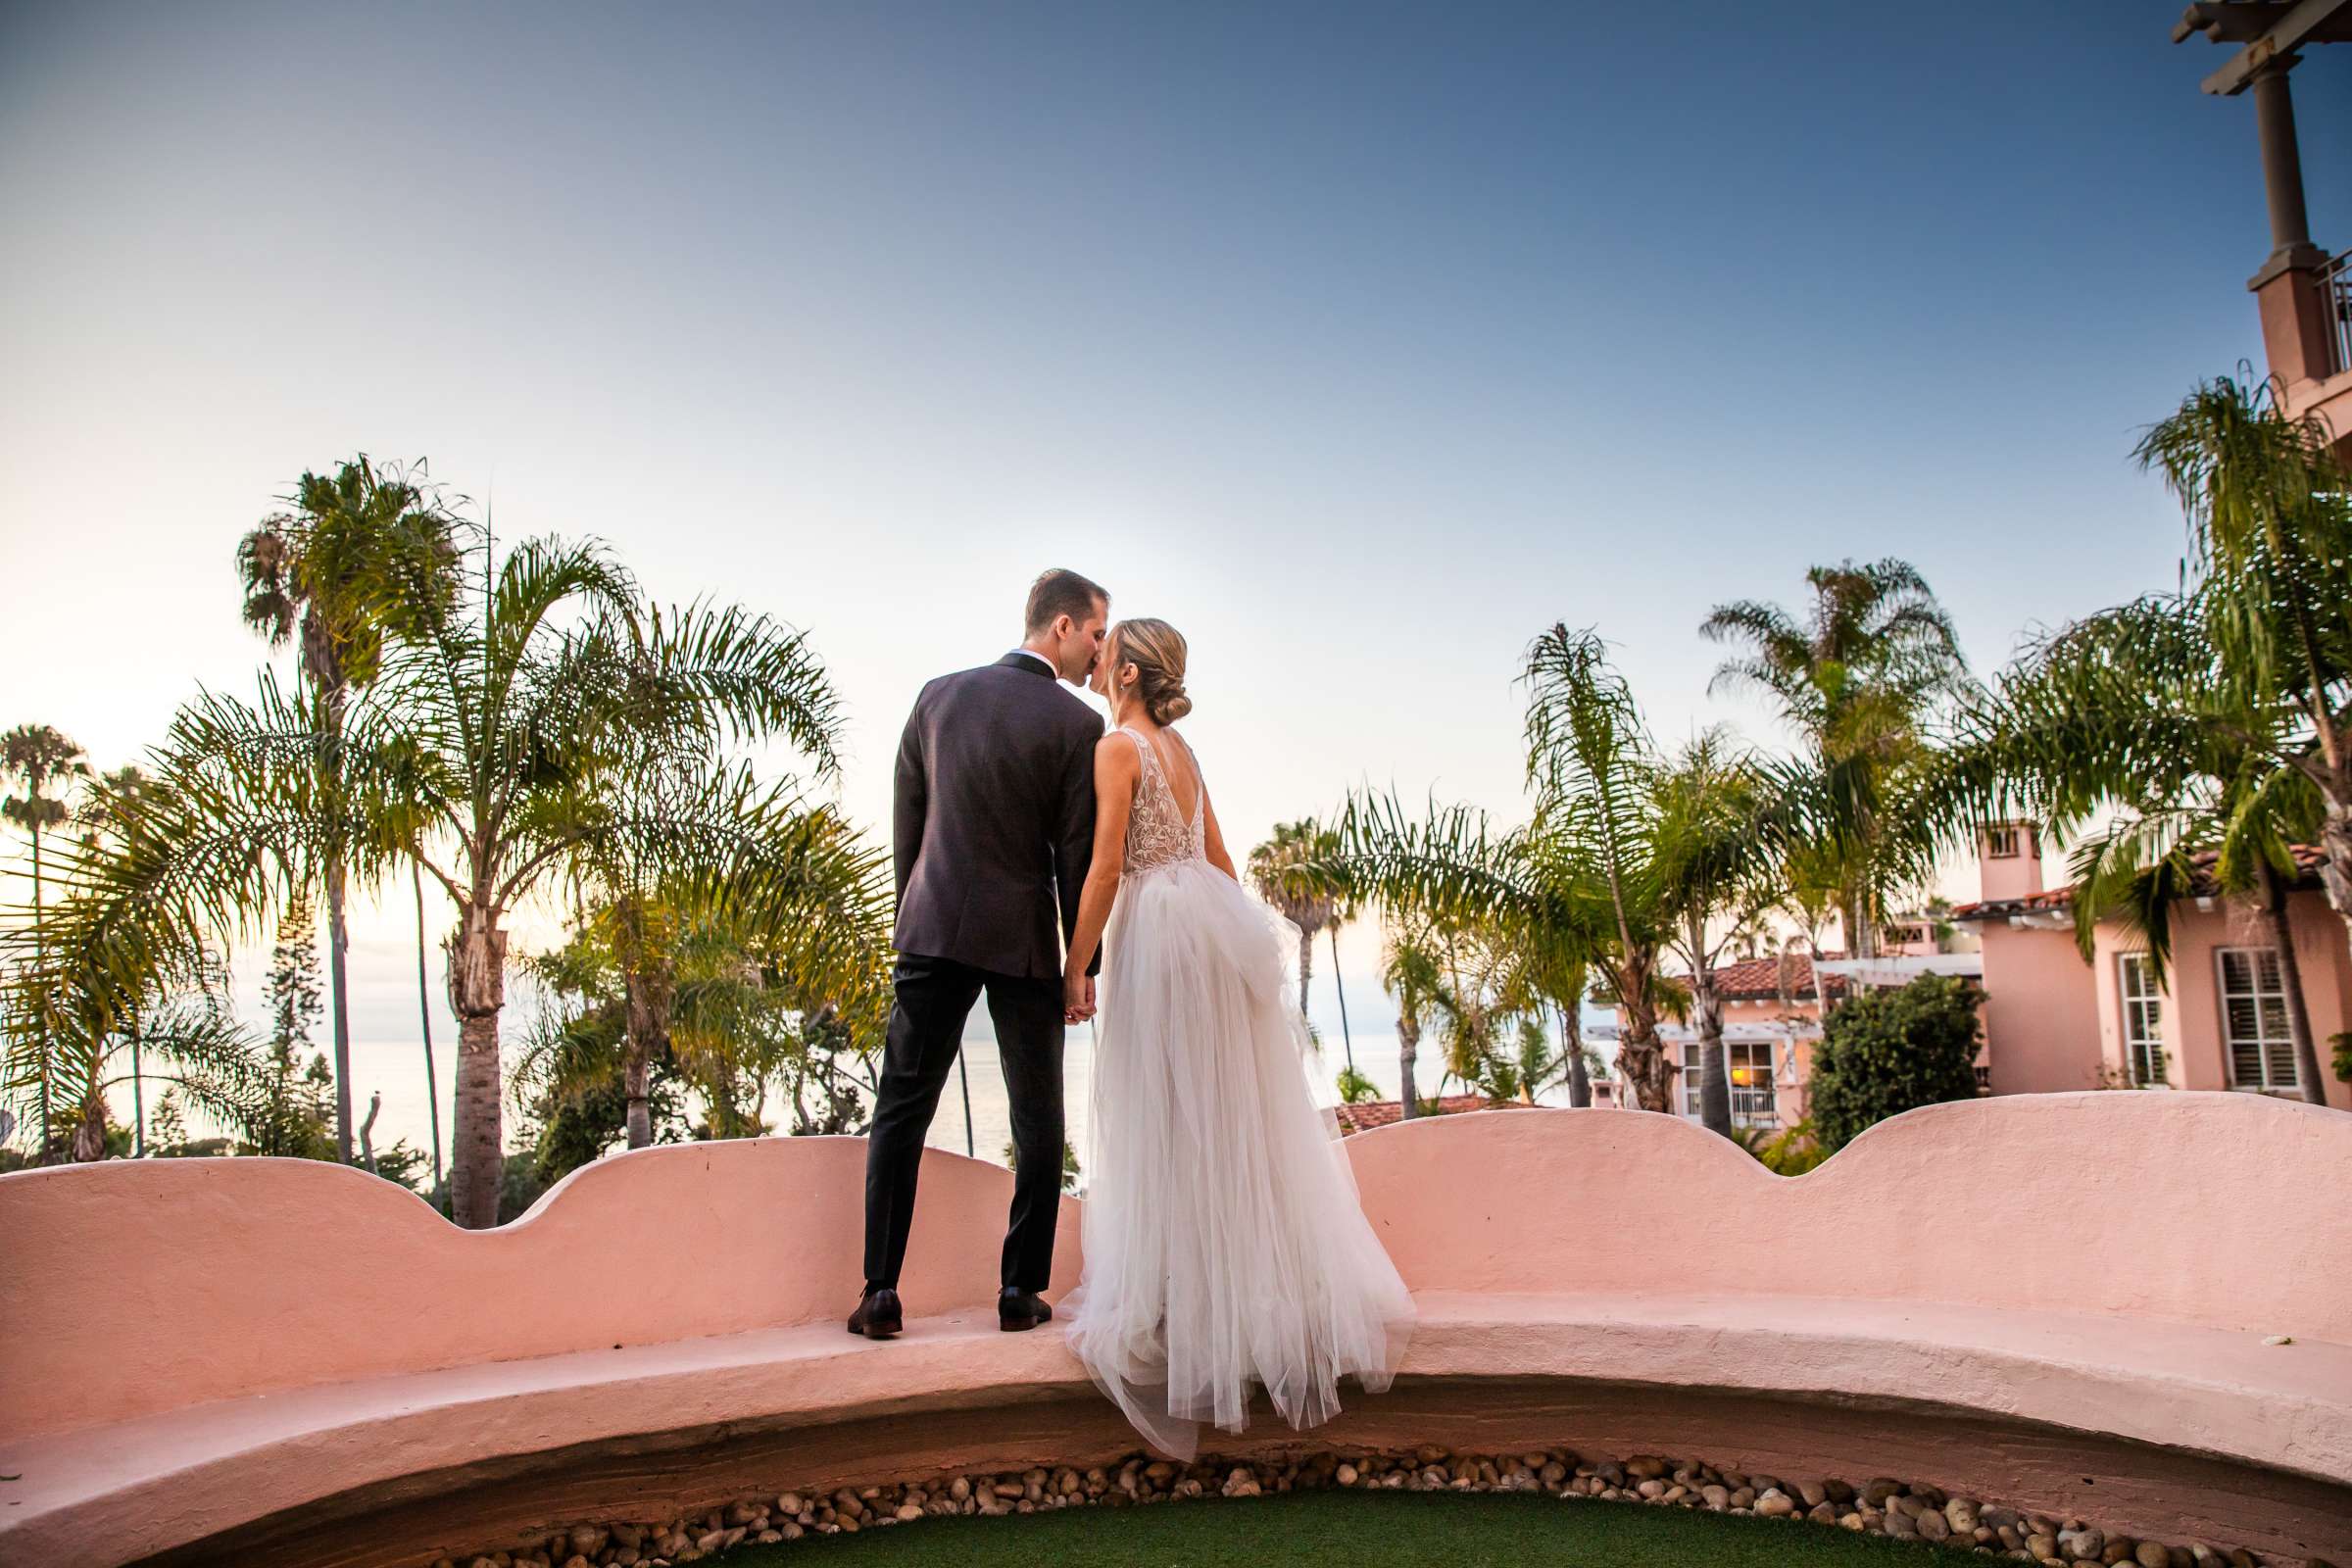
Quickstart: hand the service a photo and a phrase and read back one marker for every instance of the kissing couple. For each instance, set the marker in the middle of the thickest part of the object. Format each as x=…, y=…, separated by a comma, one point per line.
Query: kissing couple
x=1039, y=855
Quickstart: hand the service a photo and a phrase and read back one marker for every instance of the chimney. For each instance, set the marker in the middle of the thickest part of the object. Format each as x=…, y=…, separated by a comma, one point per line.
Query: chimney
x=2009, y=859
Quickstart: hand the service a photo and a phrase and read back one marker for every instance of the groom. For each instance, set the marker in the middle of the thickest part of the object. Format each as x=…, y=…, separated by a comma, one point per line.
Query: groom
x=994, y=826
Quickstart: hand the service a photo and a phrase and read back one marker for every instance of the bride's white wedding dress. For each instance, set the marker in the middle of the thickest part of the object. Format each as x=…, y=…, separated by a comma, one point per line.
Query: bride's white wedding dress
x=1224, y=1243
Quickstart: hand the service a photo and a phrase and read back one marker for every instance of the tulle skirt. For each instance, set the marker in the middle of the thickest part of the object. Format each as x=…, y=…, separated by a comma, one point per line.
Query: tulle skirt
x=1225, y=1246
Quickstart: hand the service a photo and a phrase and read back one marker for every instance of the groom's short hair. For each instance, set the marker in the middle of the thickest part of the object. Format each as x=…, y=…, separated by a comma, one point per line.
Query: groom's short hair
x=1062, y=592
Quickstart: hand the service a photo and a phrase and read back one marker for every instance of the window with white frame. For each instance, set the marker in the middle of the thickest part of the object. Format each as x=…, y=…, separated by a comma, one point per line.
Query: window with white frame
x=2000, y=842
x=2254, y=1019
x=1747, y=1065
x=2142, y=1017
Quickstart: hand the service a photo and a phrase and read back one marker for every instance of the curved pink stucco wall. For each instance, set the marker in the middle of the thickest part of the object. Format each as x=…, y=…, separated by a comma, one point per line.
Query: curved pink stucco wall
x=2106, y=1265
x=2219, y=1210
x=133, y=1287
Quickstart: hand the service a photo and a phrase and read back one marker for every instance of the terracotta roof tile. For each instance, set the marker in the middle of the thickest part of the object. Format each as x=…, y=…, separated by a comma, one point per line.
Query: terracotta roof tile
x=1367, y=1114
x=1758, y=979
x=2307, y=861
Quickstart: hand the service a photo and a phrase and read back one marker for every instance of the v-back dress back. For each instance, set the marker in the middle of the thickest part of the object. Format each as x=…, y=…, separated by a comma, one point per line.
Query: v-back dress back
x=1225, y=1246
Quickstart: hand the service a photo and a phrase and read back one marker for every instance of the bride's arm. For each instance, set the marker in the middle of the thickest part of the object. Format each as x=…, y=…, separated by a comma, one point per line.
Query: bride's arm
x=1213, y=839
x=1116, y=768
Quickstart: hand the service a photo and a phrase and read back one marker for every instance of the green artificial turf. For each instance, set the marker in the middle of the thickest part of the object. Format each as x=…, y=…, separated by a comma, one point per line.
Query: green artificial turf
x=1354, y=1528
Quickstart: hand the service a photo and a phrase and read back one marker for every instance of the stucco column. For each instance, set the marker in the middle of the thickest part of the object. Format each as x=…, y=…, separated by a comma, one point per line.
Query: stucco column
x=2282, y=164
x=2286, y=289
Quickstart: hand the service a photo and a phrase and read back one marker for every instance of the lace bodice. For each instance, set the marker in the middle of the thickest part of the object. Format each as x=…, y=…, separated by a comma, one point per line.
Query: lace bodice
x=1157, y=834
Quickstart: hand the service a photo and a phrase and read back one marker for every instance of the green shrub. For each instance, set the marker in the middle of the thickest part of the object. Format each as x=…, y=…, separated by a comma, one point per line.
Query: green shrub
x=1885, y=1051
x=1792, y=1151
x=1356, y=1088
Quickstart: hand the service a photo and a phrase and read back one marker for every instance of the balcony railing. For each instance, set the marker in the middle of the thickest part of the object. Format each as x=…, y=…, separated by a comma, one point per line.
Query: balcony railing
x=2336, y=312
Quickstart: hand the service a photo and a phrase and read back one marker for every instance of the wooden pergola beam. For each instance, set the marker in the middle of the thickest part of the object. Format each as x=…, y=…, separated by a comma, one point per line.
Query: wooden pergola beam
x=2269, y=29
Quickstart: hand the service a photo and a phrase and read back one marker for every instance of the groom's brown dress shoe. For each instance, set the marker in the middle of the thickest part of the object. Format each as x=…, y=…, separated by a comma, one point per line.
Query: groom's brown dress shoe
x=1018, y=1310
x=878, y=1315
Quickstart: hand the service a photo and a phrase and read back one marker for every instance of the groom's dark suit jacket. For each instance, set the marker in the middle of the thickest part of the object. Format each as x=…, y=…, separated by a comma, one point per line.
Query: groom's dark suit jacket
x=994, y=821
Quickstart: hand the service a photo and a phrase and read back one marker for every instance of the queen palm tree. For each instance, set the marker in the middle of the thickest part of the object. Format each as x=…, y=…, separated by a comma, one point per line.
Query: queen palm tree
x=510, y=729
x=88, y=993
x=112, y=810
x=321, y=572
x=1861, y=681
x=34, y=758
x=483, y=749
x=1622, y=847
x=1274, y=868
x=2130, y=715
x=1578, y=884
x=749, y=1002
x=1717, y=867
x=1411, y=970
x=2269, y=507
x=815, y=913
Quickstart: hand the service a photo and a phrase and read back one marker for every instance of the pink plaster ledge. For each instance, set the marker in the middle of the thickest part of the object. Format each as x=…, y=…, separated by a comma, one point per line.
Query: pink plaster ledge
x=2025, y=1297
x=157, y=1481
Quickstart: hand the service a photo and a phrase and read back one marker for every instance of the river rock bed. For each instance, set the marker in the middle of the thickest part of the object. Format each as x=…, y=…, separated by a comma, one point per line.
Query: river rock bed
x=1906, y=1510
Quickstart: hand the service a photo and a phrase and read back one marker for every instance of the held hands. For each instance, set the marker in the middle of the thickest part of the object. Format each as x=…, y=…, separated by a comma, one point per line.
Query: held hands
x=1077, y=998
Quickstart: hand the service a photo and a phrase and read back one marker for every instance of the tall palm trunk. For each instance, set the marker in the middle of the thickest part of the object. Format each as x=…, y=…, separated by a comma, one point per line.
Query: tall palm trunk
x=1706, y=1031
x=649, y=995
x=2335, y=856
x=338, y=949
x=138, y=1098
x=338, y=929
x=89, y=1134
x=41, y=1143
x=1861, y=931
x=1572, y=1041
x=1338, y=980
x=1408, y=1050
x=478, y=990
x=2291, y=981
x=424, y=1017
x=1640, y=1060
x=1306, y=965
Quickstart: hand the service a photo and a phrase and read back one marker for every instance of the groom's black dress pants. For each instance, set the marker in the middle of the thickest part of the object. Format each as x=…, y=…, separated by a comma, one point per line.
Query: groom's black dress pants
x=934, y=996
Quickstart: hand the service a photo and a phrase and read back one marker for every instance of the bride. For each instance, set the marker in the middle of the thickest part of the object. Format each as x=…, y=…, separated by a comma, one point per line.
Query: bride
x=1224, y=1244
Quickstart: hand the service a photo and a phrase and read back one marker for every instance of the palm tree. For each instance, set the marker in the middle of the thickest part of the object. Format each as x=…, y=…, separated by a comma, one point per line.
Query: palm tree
x=1411, y=972
x=2269, y=507
x=1716, y=871
x=2132, y=713
x=815, y=913
x=34, y=756
x=324, y=569
x=1577, y=885
x=97, y=985
x=509, y=729
x=1274, y=868
x=1341, y=914
x=484, y=749
x=746, y=1010
x=1861, y=681
x=112, y=811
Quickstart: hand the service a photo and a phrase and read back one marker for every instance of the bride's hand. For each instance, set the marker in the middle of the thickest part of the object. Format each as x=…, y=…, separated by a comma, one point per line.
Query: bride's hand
x=1077, y=998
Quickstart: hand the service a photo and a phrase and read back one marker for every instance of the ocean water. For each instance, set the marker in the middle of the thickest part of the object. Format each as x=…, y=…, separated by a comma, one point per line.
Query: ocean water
x=388, y=1056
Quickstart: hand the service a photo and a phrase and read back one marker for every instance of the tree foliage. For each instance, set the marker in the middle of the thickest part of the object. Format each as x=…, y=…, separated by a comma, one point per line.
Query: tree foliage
x=1889, y=1049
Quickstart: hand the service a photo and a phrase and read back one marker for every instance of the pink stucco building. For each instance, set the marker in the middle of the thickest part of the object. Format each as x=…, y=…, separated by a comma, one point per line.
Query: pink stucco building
x=2053, y=1021
x=1770, y=1023
x=2056, y=1022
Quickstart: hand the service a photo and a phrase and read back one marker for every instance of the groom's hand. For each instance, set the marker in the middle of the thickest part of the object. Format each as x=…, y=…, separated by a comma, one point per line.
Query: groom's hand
x=1077, y=998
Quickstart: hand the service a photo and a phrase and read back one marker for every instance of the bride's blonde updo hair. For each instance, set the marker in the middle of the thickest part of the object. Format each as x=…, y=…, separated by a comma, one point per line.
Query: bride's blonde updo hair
x=1156, y=651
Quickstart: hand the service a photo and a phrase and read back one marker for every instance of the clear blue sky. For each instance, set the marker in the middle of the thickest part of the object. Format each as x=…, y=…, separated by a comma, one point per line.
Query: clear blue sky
x=1359, y=340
